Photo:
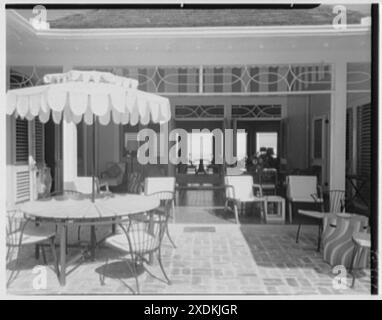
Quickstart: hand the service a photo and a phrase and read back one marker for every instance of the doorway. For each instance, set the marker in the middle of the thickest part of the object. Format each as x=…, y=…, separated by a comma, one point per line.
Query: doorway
x=320, y=150
x=53, y=153
x=260, y=134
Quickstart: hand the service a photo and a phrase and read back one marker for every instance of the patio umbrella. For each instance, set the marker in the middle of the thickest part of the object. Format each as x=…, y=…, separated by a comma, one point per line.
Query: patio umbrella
x=88, y=95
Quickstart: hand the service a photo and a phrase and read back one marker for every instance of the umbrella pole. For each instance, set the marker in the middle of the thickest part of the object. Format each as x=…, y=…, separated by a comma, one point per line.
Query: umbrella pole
x=94, y=161
x=92, y=227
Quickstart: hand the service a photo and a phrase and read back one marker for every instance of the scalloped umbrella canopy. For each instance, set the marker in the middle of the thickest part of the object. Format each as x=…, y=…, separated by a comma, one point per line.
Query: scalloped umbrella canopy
x=78, y=95
x=87, y=95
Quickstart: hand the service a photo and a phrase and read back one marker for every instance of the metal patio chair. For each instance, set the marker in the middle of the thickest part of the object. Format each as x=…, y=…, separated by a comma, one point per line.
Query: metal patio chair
x=141, y=237
x=163, y=188
x=23, y=231
x=335, y=203
x=300, y=190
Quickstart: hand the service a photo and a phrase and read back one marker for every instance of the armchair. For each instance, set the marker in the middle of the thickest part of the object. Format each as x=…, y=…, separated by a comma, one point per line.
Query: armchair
x=302, y=189
x=240, y=190
x=336, y=203
x=163, y=188
x=22, y=231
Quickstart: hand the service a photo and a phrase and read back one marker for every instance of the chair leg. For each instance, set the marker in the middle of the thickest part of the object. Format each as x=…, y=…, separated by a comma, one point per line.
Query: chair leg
x=161, y=266
x=265, y=211
x=103, y=282
x=226, y=206
x=169, y=237
x=66, y=239
x=351, y=271
x=54, y=254
x=319, y=237
x=14, y=272
x=290, y=212
x=135, y=268
x=236, y=213
x=79, y=233
x=37, y=251
x=173, y=210
x=298, y=232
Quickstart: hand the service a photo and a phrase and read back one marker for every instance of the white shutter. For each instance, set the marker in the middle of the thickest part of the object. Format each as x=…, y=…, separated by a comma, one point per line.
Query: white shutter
x=23, y=191
x=39, y=142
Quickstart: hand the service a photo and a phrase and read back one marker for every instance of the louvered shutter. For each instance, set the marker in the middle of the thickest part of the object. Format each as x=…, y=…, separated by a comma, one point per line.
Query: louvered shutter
x=39, y=142
x=364, y=146
x=22, y=186
x=22, y=174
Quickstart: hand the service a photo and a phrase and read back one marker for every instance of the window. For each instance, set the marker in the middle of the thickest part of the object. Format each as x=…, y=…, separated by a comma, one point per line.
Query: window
x=266, y=140
x=241, y=145
x=200, y=146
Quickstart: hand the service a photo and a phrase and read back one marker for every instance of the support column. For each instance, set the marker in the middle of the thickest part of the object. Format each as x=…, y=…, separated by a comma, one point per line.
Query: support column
x=69, y=152
x=69, y=146
x=171, y=171
x=337, y=164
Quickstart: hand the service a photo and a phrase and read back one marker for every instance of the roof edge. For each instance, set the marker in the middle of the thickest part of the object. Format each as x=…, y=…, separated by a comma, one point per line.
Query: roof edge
x=237, y=31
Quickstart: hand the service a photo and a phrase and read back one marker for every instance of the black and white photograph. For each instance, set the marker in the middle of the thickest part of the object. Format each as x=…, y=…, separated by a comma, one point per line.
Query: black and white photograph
x=186, y=149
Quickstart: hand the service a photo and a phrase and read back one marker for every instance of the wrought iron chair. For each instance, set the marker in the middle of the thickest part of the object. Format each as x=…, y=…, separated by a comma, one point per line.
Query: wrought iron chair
x=163, y=188
x=141, y=235
x=22, y=231
x=335, y=203
x=240, y=190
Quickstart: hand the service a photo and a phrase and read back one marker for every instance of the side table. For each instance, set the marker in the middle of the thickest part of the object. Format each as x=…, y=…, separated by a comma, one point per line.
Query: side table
x=275, y=209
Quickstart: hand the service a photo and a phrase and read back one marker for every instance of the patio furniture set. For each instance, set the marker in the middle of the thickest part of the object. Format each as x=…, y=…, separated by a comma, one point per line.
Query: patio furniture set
x=142, y=222
x=344, y=237
x=87, y=96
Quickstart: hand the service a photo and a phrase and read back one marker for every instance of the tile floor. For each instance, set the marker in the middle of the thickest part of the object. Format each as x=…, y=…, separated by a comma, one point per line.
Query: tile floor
x=212, y=259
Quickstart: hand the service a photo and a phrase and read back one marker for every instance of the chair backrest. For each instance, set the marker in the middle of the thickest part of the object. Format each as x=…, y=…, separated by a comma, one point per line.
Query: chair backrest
x=301, y=187
x=234, y=171
x=14, y=223
x=269, y=175
x=82, y=184
x=242, y=185
x=145, y=232
x=158, y=184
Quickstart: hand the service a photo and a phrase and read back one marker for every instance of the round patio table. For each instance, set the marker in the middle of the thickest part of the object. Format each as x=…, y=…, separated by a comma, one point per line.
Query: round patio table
x=338, y=230
x=65, y=210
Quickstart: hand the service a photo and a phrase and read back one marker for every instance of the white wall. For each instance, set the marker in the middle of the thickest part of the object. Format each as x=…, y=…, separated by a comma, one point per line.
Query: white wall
x=108, y=145
x=296, y=131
